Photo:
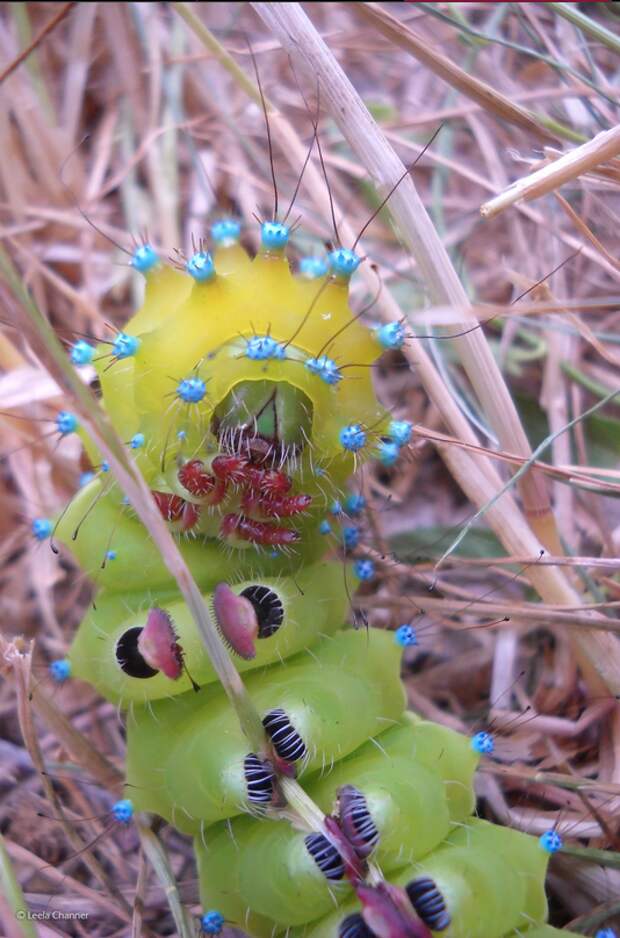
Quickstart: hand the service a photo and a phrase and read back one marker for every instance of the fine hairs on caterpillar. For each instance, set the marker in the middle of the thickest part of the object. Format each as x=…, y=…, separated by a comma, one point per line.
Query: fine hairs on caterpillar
x=242, y=389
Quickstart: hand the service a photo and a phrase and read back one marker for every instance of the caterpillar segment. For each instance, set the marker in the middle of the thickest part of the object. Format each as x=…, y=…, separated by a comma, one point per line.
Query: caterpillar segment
x=244, y=394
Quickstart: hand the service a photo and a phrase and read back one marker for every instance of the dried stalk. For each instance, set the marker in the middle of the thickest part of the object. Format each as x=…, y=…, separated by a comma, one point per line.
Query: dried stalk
x=602, y=148
x=479, y=91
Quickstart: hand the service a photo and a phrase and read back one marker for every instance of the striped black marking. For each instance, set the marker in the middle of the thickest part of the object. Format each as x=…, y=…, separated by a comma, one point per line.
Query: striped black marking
x=354, y=926
x=325, y=856
x=259, y=779
x=428, y=903
x=286, y=740
x=267, y=606
x=356, y=820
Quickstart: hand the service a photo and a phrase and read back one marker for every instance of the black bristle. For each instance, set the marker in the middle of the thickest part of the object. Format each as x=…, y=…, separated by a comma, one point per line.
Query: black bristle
x=259, y=779
x=354, y=926
x=267, y=606
x=428, y=903
x=286, y=740
x=356, y=821
x=325, y=856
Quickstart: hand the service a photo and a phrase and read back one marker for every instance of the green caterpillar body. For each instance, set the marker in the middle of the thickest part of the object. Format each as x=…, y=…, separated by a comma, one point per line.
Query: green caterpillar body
x=250, y=395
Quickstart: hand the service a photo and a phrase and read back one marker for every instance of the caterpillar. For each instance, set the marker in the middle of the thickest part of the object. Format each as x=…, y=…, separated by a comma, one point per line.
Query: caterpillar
x=234, y=389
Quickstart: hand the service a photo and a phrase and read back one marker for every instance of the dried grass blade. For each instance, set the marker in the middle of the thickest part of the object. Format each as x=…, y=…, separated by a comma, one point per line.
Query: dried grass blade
x=13, y=906
x=487, y=97
x=602, y=148
x=159, y=861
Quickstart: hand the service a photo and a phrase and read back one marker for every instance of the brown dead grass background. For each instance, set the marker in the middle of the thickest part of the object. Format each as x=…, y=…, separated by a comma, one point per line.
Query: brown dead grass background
x=119, y=103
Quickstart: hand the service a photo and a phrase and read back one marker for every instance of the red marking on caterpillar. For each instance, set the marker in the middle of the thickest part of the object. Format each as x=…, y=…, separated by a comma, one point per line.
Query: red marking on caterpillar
x=256, y=532
x=157, y=643
x=237, y=621
x=269, y=482
x=355, y=868
x=194, y=477
x=230, y=469
x=176, y=509
x=388, y=913
x=285, y=506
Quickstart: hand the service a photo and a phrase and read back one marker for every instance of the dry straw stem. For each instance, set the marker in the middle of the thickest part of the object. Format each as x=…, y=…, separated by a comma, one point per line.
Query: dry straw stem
x=159, y=861
x=297, y=34
x=488, y=98
x=596, y=652
x=19, y=659
x=12, y=902
x=602, y=148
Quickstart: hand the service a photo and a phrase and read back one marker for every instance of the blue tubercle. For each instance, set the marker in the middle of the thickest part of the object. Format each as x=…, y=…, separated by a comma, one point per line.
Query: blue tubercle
x=212, y=922
x=313, y=267
x=606, y=933
x=325, y=368
x=391, y=335
x=60, y=670
x=123, y=810
x=364, y=569
x=274, y=235
x=261, y=348
x=137, y=441
x=350, y=537
x=343, y=262
x=550, y=841
x=325, y=527
x=111, y=554
x=82, y=353
x=336, y=508
x=388, y=452
x=200, y=266
x=405, y=636
x=124, y=346
x=85, y=478
x=483, y=743
x=226, y=231
x=105, y=466
x=353, y=437
x=191, y=390
x=400, y=431
x=42, y=528
x=66, y=422
x=144, y=258
x=355, y=504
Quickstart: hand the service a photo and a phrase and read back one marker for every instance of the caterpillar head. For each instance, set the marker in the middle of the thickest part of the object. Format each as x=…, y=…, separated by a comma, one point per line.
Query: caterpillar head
x=245, y=434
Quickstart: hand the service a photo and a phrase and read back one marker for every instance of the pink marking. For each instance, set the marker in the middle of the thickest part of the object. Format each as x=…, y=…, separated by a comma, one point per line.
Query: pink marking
x=388, y=912
x=157, y=643
x=355, y=868
x=237, y=620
